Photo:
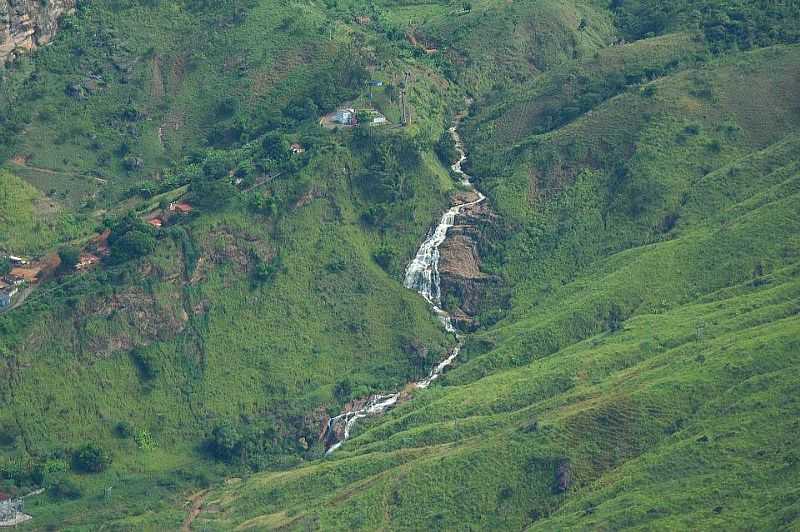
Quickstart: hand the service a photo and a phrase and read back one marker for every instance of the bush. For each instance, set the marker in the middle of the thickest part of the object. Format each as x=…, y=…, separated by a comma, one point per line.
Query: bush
x=70, y=256
x=147, y=364
x=446, y=149
x=225, y=442
x=343, y=390
x=65, y=489
x=384, y=257
x=123, y=430
x=266, y=272
x=91, y=458
x=144, y=440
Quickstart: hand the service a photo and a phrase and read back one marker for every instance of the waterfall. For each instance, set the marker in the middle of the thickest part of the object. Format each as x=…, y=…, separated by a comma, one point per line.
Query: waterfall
x=422, y=275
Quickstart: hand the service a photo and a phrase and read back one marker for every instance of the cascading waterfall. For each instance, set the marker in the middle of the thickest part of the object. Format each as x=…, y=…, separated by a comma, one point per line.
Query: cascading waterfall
x=422, y=275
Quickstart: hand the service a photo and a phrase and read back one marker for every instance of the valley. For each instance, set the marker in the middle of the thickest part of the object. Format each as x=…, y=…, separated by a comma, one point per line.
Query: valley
x=484, y=265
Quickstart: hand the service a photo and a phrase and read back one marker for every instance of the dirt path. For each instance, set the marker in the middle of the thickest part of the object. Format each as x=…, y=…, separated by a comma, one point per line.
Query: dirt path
x=197, y=506
x=20, y=162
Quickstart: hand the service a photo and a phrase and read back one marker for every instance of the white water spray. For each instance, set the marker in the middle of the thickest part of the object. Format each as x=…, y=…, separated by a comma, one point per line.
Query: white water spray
x=422, y=275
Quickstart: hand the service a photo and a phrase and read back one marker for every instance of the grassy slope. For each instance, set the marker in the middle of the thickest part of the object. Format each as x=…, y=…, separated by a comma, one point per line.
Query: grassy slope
x=225, y=349
x=146, y=71
x=29, y=222
x=682, y=417
x=703, y=308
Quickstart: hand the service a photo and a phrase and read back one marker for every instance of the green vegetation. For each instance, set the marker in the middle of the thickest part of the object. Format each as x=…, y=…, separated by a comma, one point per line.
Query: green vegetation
x=91, y=458
x=69, y=257
x=29, y=222
x=635, y=367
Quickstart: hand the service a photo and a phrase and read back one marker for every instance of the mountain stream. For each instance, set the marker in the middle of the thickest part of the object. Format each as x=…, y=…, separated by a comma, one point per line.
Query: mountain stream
x=422, y=275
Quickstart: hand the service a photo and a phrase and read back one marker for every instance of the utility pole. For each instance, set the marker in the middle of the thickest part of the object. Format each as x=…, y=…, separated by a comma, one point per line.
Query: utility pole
x=406, y=109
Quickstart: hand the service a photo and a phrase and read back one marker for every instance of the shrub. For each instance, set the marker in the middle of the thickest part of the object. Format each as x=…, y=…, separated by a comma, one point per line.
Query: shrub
x=266, y=272
x=384, y=257
x=91, y=458
x=225, y=442
x=446, y=149
x=147, y=364
x=123, y=429
x=343, y=390
x=144, y=440
x=70, y=256
x=65, y=489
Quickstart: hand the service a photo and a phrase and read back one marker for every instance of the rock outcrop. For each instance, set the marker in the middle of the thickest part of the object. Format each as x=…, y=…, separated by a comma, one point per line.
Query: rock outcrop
x=27, y=24
x=462, y=281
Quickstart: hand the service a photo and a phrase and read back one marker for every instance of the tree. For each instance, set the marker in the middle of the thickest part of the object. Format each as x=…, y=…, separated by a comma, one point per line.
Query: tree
x=225, y=442
x=343, y=390
x=446, y=149
x=70, y=256
x=5, y=266
x=147, y=363
x=385, y=257
x=91, y=458
x=276, y=146
x=134, y=244
x=615, y=318
x=212, y=194
x=265, y=272
x=131, y=238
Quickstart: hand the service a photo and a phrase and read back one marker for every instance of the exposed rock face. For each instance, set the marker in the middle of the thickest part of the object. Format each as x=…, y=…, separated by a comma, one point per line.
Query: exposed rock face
x=460, y=263
x=26, y=24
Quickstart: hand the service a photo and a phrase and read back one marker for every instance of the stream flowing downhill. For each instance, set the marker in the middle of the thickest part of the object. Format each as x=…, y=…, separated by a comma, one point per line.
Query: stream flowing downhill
x=422, y=275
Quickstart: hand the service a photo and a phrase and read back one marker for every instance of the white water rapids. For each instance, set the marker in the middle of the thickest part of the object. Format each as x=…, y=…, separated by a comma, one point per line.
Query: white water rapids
x=422, y=275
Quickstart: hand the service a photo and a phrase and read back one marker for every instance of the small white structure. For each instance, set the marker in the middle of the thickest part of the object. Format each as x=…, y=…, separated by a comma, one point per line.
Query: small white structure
x=379, y=120
x=11, y=513
x=18, y=261
x=7, y=294
x=345, y=116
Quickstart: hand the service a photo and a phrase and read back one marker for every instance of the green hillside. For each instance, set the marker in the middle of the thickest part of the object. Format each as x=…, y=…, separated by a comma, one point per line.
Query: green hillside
x=655, y=369
x=634, y=366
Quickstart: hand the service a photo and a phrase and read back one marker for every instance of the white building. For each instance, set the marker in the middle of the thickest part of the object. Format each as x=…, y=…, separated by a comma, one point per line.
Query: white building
x=345, y=116
x=6, y=295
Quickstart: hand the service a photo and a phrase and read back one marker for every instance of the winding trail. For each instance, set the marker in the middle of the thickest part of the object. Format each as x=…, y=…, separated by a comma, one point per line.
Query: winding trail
x=422, y=275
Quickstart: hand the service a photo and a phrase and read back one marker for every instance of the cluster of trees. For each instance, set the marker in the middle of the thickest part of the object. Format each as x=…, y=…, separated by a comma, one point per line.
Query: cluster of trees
x=726, y=24
x=91, y=458
x=5, y=266
x=389, y=161
x=131, y=238
x=249, y=444
x=586, y=91
x=446, y=149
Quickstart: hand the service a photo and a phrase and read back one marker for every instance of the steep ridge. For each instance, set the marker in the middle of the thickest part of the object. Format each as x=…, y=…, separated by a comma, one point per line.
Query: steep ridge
x=28, y=24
